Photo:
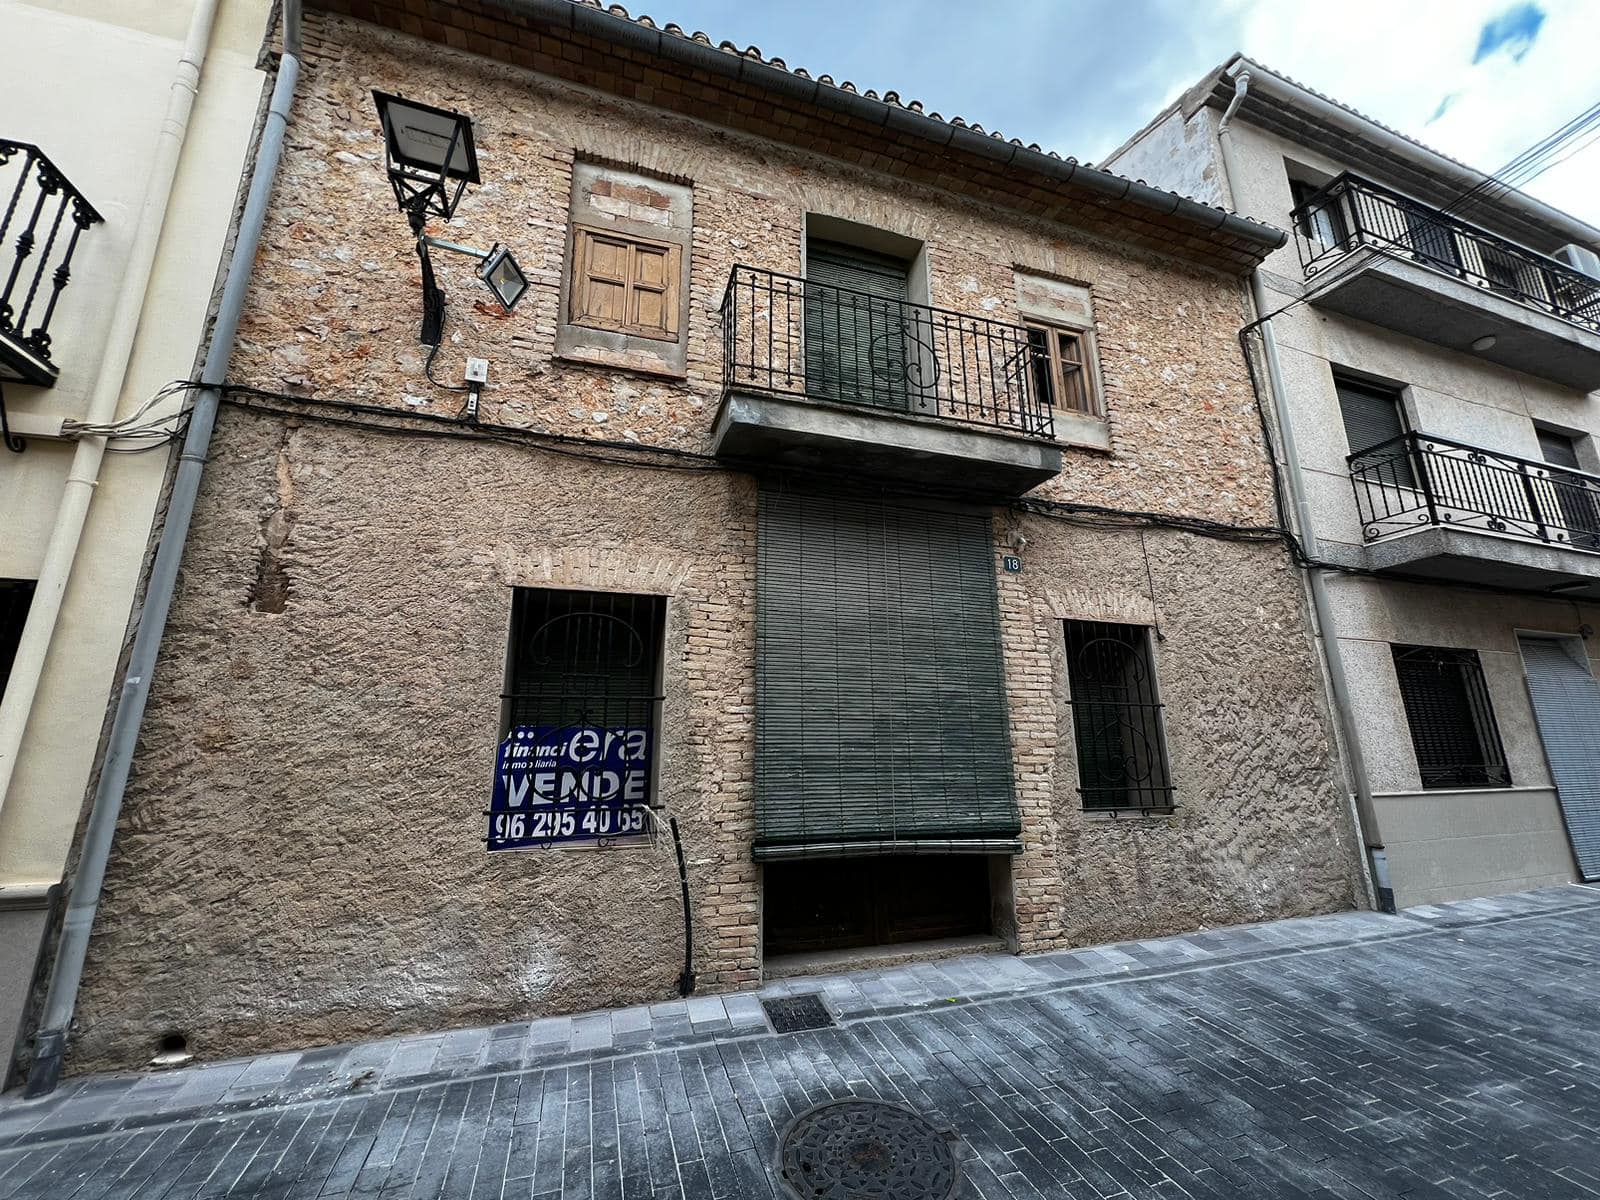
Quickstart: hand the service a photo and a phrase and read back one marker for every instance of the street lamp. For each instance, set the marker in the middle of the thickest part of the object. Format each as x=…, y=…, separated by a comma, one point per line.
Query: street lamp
x=430, y=158
x=428, y=150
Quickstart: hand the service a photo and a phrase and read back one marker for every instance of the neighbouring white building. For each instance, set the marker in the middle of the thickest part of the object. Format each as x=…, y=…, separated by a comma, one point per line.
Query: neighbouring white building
x=120, y=164
x=1434, y=341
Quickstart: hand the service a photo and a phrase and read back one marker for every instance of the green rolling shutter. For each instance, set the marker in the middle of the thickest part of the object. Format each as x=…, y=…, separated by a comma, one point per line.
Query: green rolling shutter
x=856, y=338
x=880, y=694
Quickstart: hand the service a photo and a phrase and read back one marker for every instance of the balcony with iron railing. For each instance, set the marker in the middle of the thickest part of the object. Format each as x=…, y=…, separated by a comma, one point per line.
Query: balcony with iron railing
x=1435, y=507
x=822, y=376
x=43, y=218
x=1372, y=253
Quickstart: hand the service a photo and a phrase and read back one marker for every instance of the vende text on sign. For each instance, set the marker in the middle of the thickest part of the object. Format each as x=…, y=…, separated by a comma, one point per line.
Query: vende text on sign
x=570, y=784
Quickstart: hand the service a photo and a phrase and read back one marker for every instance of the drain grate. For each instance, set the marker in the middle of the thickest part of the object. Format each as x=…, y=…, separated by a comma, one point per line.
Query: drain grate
x=867, y=1148
x=791, y=1014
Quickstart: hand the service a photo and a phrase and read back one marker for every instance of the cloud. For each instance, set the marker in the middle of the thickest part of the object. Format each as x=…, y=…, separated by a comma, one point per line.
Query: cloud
x=1080, y=78
x=1444, y=106
x=1513, y=31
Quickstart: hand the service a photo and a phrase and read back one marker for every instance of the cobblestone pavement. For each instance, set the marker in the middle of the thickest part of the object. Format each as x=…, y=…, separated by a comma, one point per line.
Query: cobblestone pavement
x=1448, y=1052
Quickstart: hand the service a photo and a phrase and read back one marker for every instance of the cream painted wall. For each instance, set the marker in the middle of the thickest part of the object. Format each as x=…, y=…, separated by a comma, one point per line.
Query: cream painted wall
x=120, y=55
x=1454, y=395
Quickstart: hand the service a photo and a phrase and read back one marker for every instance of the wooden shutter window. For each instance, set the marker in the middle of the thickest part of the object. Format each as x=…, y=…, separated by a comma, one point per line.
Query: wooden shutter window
x=1061, y=368
x=625, y=284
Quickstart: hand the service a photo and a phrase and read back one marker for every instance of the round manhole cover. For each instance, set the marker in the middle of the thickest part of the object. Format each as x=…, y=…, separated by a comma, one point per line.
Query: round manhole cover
x=850, y=1149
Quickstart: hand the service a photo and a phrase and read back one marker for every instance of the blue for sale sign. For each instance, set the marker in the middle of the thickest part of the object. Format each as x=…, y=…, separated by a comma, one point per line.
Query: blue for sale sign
x=561, y=785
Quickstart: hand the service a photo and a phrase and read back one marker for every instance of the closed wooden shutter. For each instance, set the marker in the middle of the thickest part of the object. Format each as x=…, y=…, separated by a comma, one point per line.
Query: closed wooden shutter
x=625, y=284
x=855, y=326
x=880, y=703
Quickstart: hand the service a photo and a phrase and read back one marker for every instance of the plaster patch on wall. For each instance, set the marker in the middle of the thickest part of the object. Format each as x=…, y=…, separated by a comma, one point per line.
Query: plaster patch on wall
x=1082, y=604
x=585, y=567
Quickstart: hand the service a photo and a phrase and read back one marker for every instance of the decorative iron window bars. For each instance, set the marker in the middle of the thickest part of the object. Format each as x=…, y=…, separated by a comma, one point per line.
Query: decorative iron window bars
x=785, y=335
x=1453, y=729
x=1419, y=480
x=41, y=204
x=1116, y=715
x=584, y=659
x=1351, y=213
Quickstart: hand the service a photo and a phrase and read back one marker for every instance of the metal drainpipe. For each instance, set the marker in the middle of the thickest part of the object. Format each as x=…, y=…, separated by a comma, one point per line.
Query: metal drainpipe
x=1327, y=633
x=83, y=477
x=67, y=972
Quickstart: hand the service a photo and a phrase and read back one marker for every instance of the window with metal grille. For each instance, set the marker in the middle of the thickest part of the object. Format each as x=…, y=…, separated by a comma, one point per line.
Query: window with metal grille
x=15, y=597
x=1116, y=715
x=583, y=659
x=1452, y=722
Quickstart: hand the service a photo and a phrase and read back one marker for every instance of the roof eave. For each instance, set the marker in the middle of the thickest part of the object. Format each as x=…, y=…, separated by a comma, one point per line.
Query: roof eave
x=1206, y=221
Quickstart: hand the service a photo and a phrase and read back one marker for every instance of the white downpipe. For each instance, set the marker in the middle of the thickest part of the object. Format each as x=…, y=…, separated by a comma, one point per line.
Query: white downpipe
x=84, y=476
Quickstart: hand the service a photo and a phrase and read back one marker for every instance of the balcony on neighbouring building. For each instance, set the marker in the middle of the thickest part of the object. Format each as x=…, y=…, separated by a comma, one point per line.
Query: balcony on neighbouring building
x=1442, y=509
x=829, y=378
x=1372, y=253
x=44, y=217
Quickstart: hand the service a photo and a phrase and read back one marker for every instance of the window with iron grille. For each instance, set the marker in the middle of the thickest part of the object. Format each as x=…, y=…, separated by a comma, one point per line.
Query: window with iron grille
x=1452, y=722
x=1116, y=715
x=583, y=659
x=15, y=597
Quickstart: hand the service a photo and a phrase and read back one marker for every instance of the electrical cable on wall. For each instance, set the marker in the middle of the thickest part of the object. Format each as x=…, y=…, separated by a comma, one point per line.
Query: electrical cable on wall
x=1150, y=585
x=393, y=422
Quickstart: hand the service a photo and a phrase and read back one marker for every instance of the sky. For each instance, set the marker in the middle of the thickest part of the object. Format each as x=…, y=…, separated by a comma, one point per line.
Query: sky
x=1480, y=80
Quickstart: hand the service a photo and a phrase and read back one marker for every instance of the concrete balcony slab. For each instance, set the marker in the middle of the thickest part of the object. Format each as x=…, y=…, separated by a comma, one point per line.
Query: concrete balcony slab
x=1427, y=302
x=794, y=431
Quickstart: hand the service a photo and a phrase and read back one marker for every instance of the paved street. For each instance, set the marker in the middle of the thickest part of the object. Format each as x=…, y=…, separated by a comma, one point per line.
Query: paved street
x=1449, y=1052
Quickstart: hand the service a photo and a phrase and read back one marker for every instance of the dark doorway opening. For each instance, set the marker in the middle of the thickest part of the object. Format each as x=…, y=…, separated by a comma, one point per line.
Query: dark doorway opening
x=844, y=903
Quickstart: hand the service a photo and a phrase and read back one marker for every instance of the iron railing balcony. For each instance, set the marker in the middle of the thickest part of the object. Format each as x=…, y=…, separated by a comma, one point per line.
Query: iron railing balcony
x=1431, y=274
x=1418, y=482
x=821, y=377
x=785, y=335
x=43, y=219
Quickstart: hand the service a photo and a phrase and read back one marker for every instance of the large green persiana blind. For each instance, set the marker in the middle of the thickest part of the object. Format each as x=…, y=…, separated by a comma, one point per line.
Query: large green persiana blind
x=880, y=692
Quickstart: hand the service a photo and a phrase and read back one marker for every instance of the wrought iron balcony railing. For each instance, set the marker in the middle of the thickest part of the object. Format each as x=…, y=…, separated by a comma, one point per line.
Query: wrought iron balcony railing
x=1417, y=480
x=1351, y=213
x=785, y=335
x=43, y=219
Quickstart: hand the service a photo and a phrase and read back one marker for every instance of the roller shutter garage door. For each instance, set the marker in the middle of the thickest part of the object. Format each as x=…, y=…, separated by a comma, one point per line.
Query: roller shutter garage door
x=880, y=694
x=1566, y=703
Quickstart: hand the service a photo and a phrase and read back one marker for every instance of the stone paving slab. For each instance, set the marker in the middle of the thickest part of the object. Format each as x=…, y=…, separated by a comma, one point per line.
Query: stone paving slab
x=1449, y=1051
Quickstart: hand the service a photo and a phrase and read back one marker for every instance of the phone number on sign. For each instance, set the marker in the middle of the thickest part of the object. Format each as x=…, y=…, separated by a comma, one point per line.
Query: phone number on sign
x=566, y=823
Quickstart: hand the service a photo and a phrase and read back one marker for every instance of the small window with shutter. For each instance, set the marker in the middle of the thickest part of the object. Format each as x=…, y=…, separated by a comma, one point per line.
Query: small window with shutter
x=1374, y=426
x=625, y=284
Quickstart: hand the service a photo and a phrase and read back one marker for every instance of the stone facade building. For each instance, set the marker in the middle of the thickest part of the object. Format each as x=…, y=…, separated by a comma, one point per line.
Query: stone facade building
x=901, y=488
x=1436, y=338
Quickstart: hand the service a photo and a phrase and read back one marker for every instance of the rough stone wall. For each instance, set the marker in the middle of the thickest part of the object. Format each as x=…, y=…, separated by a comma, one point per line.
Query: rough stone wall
x=1261, y=829
x=299, y=859
x=335, y=305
